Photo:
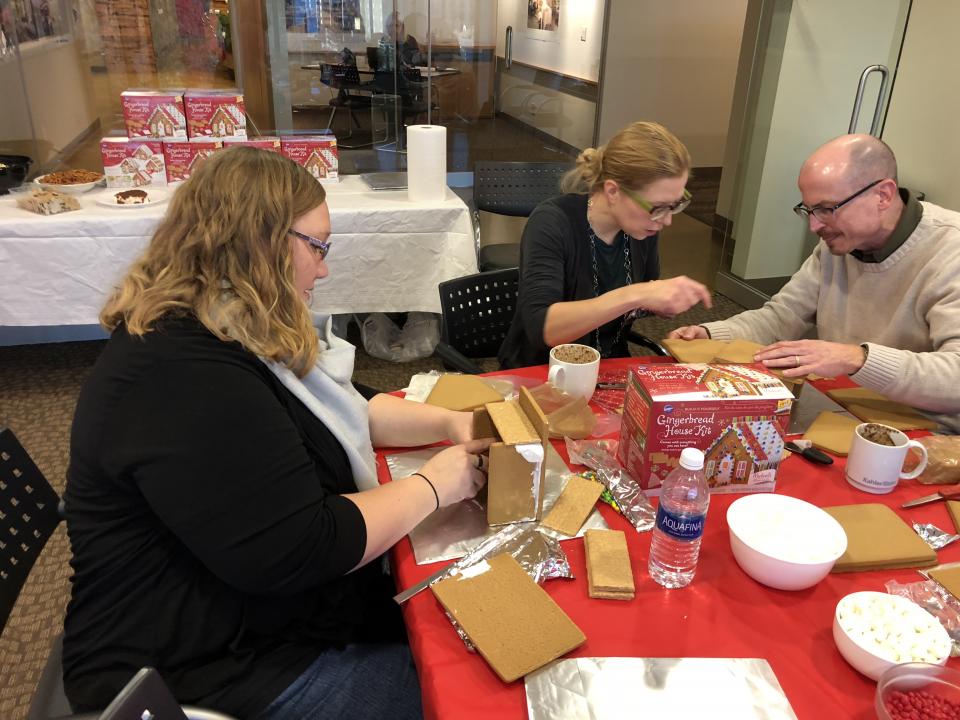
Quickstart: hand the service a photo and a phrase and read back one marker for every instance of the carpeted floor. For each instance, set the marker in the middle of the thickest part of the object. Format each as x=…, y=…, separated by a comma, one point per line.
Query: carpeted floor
x=38, y=390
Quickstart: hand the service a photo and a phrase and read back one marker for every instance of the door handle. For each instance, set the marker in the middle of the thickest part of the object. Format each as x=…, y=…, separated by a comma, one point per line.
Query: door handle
x=508, y=49
x=858, y=100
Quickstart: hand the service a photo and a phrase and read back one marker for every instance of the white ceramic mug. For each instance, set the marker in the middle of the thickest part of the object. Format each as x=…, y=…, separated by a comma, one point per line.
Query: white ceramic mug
x=877, y=468
x=577, y=379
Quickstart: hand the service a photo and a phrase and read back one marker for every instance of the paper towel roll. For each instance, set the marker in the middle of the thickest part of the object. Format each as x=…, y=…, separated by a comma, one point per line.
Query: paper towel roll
x=426, y=163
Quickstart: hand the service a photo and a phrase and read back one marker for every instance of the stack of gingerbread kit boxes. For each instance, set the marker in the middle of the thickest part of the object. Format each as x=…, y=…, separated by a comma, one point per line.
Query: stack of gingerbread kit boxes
x=170, y=131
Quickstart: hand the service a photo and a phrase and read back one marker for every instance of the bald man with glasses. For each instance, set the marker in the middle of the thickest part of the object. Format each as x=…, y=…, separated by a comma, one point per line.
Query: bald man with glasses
x=881, y=289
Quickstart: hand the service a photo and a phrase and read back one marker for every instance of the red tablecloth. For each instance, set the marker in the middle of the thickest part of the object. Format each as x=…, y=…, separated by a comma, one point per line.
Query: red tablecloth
x=723, y=613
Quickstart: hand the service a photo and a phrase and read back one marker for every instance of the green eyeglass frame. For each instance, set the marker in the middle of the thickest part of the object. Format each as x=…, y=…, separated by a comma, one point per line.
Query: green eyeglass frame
x=659, y=212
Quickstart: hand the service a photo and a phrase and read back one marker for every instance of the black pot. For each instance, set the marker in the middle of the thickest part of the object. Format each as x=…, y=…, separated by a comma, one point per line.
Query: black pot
x=13, y=171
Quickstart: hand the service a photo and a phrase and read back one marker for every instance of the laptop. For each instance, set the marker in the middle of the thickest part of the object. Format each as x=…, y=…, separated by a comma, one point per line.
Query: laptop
x=385, y=180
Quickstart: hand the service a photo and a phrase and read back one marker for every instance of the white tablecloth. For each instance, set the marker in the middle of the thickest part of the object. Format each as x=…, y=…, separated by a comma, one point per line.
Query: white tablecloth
x=388, y=254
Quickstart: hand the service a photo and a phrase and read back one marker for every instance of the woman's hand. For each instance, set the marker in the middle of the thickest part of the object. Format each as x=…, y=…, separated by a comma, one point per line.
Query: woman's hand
x=460, y=427
x=458, y=472
x=672, y=297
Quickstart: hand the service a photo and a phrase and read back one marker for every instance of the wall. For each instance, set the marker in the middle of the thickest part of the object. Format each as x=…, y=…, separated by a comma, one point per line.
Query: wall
x=60, y=106
x=921, y=124
x=675, y=63
x=808, y=74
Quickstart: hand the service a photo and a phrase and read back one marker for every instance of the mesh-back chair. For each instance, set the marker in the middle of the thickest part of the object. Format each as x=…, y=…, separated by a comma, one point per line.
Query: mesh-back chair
x=29, y=513
x=511, y=188
x=477, y=312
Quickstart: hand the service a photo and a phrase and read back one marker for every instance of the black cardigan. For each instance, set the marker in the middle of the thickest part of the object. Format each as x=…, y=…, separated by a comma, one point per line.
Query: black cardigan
x=209, y=537
x=555, y=266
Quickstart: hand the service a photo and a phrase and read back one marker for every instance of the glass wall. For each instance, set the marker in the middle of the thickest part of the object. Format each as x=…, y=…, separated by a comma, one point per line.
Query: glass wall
x=360, y=69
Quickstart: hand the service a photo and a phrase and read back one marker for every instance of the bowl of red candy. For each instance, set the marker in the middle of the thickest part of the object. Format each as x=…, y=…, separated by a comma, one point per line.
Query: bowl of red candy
x=918, y=690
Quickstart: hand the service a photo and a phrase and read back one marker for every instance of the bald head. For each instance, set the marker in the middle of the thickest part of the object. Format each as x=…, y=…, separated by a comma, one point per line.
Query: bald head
x=852, y=160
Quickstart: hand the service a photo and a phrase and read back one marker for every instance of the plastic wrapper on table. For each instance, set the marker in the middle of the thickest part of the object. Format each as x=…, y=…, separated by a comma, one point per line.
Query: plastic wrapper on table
x=943, y=460
x=572, y=417
x=631, y=501
x=936, y=600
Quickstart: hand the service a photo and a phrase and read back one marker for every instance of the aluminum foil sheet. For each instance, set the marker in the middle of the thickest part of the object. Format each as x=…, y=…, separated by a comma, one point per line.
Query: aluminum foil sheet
x=936, y=600
x=631, y=501
x=622, y=688
x=455, y=530
x=934, y=536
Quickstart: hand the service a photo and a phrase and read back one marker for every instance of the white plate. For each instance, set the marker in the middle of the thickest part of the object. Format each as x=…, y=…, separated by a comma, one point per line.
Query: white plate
x=76, y=189
x=155, y=196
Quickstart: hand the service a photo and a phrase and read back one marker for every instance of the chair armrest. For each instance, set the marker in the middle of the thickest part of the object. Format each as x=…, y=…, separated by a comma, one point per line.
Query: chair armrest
x=638, y=339
x=453, y=358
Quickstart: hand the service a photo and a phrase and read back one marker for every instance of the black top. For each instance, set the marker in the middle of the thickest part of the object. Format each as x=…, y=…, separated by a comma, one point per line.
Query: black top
x=209, y=539
x=556, y=266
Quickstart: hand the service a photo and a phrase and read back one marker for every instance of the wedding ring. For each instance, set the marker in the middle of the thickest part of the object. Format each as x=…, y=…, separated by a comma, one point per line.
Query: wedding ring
x=797, y=358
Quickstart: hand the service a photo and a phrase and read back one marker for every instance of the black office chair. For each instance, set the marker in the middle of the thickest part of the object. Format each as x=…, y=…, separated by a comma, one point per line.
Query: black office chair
x=476, y=313
x=30, y=511
x=511, y=188
x=352, y=95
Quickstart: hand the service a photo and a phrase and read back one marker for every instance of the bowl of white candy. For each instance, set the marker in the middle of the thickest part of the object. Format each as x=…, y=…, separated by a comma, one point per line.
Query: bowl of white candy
x=874, y=631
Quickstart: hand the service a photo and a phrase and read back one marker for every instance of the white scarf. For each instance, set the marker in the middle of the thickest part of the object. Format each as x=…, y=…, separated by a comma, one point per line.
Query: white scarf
x=328, y=393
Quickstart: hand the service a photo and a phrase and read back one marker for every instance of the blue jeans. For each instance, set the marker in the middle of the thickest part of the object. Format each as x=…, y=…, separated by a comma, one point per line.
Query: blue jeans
x=358, y=682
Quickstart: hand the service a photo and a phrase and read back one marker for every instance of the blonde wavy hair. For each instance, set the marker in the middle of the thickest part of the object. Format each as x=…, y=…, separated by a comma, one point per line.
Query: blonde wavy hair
x=222, y=253
x=639, y=154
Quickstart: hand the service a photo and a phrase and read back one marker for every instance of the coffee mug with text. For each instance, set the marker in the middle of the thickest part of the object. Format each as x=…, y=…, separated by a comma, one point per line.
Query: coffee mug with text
x=574, y=368
x=877, y=454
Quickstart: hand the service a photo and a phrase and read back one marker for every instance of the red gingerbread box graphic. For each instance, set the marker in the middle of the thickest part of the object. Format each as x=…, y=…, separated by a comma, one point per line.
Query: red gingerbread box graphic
x=317, y=153
x=154, y=113
x=736, y=414
x=182, y=156
x=215, y=114
x=132, y=162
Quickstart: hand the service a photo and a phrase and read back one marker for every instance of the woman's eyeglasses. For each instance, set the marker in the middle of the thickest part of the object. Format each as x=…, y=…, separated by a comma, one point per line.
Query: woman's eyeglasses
x=659, y=212
x=320, y=247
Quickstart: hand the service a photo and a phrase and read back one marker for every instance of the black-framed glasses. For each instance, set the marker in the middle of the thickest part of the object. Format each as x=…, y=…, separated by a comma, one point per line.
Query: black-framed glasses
x=824, y=212
x=320, y=247
x=659, y=212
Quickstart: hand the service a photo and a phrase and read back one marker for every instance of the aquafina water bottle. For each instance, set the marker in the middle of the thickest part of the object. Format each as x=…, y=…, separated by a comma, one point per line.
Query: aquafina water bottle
x=684, y=499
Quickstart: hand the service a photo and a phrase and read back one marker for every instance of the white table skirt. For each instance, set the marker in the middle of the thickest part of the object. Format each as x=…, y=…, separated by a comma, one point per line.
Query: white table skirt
x=388, y=254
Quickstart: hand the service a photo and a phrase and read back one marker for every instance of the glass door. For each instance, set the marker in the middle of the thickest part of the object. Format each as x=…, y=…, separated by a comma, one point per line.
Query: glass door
x=797, y=86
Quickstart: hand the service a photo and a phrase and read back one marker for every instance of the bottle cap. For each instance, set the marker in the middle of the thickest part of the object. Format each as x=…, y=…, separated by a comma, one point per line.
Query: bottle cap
x=691, y=459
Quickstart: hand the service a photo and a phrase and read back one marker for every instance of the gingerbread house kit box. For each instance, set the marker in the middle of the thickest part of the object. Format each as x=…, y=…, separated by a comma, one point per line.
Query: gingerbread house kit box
x=129, y=163
x=154, y=113
x=215, y=114
x=736, y=414
x=317, y=153
x=182, y=156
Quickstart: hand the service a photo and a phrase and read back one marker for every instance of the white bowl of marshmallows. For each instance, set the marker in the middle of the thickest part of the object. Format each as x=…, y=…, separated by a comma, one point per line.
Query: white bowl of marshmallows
x=875, y=631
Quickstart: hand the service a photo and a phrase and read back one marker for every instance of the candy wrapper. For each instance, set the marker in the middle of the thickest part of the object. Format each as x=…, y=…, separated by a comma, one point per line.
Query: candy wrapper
x=627, y=497
x=934, y=536
x=539, y=555
x=937, y=601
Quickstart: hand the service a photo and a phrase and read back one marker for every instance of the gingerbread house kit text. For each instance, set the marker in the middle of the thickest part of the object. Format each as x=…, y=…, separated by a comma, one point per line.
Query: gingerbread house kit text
x=736, y=414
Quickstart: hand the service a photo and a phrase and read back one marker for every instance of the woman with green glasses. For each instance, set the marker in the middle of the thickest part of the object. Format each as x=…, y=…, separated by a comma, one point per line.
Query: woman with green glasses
x=589, y=262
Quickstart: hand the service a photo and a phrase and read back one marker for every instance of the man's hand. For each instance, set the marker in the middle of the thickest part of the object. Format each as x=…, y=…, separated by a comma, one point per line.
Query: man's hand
x=689, y=332
x=797, y=358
